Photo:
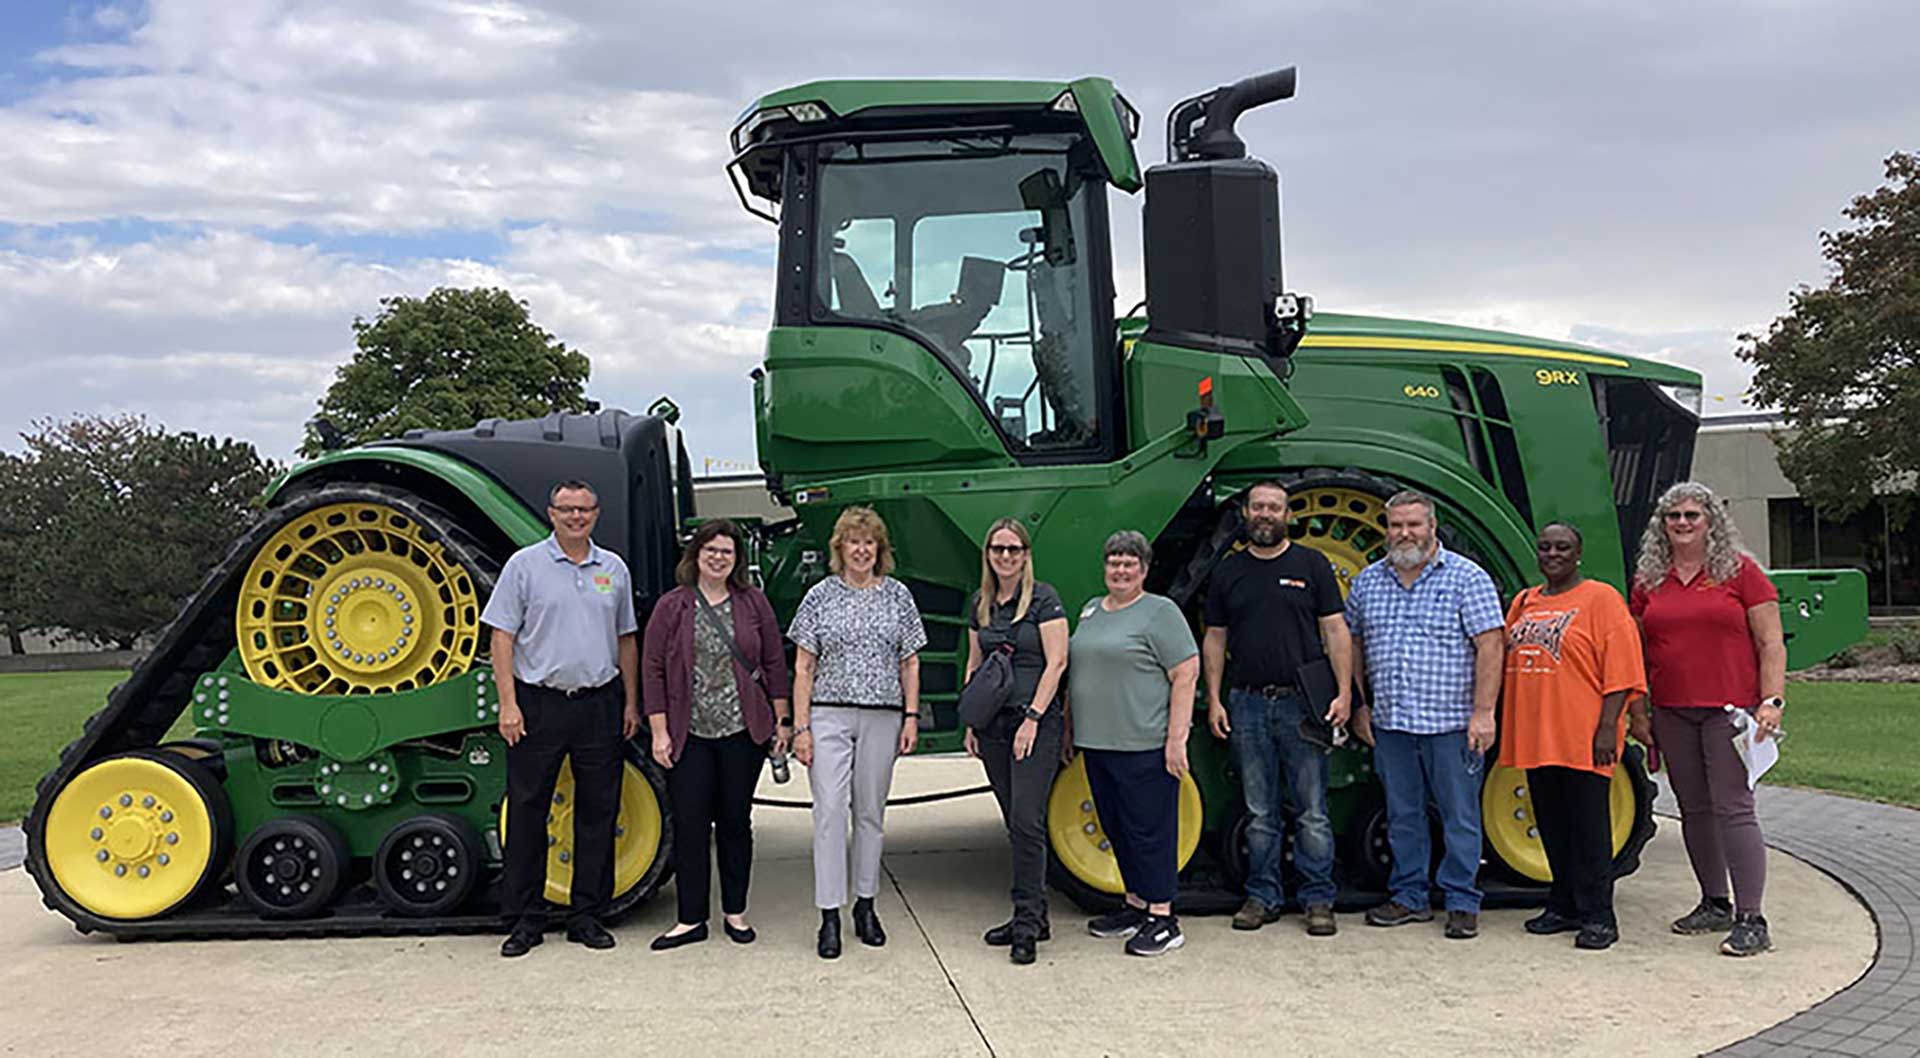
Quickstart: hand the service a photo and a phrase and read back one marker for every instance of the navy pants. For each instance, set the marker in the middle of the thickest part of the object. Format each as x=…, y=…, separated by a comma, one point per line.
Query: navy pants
x=1139, y=808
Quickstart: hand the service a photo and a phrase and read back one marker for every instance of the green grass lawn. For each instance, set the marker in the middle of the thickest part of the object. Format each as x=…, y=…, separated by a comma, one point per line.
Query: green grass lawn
x=1847, y=737
x=1853, y=738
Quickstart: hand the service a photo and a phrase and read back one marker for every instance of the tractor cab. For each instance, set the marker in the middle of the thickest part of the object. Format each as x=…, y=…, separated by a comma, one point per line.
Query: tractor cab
x=945, y=294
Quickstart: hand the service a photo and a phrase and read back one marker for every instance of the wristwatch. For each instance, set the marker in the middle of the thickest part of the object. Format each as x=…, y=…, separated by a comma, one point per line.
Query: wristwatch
x=1032, y=714
x=1776, y=701
x=784, y=721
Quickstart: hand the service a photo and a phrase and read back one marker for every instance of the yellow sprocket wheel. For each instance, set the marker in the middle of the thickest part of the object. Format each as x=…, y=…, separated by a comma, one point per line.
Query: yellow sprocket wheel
x=636, y=834
x=1347, y=525
x=356, y=598
x=1506, y=807
x=1080, y=843
x=135, y=836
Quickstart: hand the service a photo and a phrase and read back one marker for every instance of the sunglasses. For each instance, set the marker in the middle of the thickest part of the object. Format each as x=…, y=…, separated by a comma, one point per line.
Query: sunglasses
x=1684, y=516
x=1006, y=549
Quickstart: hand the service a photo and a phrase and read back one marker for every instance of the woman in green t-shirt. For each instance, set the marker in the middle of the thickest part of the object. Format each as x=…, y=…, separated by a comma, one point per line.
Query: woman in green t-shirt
x=1134, y=665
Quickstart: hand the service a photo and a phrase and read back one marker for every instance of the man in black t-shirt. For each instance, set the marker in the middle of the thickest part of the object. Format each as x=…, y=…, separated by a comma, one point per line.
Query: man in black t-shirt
x=1273, y=609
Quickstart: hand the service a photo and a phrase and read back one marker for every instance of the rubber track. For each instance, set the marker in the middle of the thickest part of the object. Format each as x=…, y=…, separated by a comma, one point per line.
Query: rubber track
x=140, y=710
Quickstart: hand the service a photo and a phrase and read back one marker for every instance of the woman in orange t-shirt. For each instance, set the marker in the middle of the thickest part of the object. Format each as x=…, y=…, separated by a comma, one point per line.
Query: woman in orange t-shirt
x=1573, y=659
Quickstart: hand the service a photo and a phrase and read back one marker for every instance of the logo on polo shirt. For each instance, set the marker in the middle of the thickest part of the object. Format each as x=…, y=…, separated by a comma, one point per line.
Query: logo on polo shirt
x=603, y=583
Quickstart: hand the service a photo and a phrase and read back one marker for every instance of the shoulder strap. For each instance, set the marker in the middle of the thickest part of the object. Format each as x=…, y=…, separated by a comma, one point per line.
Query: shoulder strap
x=713, y=621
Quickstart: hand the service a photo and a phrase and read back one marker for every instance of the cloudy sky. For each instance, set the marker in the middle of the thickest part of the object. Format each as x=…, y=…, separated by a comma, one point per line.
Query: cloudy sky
x=198, y=196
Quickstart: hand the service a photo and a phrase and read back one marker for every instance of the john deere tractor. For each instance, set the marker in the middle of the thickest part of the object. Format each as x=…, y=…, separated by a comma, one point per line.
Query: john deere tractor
x=945, y=348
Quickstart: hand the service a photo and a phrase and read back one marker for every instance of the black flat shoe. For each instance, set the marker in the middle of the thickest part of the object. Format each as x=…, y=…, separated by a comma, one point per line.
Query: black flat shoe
x=738, y=936
x=670, y=941
x=866, y=925
x=1547, y=923
x=1002, y=935
x=830, y=937
x=518, y=944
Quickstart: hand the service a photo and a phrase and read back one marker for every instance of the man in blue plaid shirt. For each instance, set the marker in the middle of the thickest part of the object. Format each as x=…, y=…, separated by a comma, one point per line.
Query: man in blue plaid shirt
x=1428, y=629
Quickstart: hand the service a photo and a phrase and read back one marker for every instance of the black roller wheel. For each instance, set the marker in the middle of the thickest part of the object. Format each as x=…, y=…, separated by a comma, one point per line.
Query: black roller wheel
x=292, y=867
x=428, y=865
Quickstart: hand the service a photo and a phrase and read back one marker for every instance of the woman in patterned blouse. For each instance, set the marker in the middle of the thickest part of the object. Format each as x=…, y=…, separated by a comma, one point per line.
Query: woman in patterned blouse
x=856, y=704
x=713, y=718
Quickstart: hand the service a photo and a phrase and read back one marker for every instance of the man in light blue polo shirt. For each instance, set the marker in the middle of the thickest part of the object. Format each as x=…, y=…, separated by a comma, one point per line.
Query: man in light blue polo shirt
x=567, y=666
x=1428, y=628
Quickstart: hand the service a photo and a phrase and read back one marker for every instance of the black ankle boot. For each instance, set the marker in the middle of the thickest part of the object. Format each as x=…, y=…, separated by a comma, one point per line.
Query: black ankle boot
x=866, y=924
x=830, y=934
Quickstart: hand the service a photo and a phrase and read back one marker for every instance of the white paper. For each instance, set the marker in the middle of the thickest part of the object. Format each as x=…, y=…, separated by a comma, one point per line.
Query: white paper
x=1757, y=755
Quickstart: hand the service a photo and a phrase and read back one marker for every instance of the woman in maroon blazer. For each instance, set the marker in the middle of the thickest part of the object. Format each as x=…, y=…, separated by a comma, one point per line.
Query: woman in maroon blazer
x=713, y=719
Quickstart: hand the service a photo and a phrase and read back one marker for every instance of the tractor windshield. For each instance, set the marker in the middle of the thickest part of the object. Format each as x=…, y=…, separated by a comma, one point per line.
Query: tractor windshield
x=988, y=249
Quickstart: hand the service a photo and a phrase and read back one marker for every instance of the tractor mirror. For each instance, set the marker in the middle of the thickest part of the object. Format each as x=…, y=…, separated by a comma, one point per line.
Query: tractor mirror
x=1043, y=192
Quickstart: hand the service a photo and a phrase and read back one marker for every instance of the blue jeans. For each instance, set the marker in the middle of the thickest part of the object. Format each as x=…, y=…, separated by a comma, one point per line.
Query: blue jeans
x=1280, y=769
x=1416, y=770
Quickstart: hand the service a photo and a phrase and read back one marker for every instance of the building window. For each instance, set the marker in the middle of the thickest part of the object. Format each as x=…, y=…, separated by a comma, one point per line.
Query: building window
x=1870, y=541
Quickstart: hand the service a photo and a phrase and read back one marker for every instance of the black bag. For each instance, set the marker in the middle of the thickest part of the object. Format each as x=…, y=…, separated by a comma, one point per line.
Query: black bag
x=990, y=690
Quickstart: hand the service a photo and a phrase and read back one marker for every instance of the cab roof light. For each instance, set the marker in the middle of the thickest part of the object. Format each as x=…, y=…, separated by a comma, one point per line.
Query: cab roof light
x=1065, y=103
x=1129, y=117
x=747, y=132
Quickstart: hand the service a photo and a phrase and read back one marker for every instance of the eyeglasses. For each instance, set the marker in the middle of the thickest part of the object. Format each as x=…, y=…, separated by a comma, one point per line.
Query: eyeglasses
x=1006, y=549
x=1122, y=562
x=1684, y=516
x=575, y=510
x=717, y=552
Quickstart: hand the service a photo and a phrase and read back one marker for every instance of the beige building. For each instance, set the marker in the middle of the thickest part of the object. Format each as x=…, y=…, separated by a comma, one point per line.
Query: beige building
x=1734, y=455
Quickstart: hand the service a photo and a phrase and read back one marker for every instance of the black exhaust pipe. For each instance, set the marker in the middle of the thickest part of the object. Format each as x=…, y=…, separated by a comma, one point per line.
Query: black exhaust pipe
x=1202, y=127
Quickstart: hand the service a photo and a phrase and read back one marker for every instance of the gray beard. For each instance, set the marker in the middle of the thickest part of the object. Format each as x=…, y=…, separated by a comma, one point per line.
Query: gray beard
x=1409, y=556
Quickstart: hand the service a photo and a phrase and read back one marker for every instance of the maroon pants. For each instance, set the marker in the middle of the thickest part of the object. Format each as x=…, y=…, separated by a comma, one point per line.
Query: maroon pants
x=1716, y=807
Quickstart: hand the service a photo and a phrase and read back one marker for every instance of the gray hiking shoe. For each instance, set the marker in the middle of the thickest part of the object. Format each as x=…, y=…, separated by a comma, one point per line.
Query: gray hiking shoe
x=1709, y=917
x=1749, y=937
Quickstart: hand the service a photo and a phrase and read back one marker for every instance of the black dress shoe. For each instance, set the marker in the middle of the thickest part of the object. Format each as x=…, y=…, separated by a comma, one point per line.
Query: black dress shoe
x=866, y=925
x=738, y=936
x=519, y=943
x=670, y=941
x=830, y=936
x=1002, y=935
x=1022, y=951
x=1550, y=922
x=592, y=935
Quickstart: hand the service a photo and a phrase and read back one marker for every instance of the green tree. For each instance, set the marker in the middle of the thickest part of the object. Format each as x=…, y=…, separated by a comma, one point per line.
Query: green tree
x=1841, y=363
x=446, y=361
x=15, y=612
x=122, y=519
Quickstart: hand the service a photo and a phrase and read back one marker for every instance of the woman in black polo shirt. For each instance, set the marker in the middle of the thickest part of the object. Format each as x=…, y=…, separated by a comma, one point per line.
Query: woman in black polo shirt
x=1020, y=747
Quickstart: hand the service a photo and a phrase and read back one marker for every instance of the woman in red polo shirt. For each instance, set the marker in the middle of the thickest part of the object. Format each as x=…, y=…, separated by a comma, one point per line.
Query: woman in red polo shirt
x=1710, y=620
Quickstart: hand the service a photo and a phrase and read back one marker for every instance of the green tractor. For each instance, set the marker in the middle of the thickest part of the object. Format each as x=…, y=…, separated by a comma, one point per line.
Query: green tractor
x=945, y=349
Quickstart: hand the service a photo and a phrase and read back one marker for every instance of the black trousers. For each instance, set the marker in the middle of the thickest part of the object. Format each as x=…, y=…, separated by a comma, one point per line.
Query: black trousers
x=1021, y=787
x=1139, y=808
x=1571, y=807
x=586, y=729
x=712, y=789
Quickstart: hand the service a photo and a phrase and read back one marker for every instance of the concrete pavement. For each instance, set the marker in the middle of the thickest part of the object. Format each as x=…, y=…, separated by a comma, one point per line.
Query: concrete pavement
x=935, y=989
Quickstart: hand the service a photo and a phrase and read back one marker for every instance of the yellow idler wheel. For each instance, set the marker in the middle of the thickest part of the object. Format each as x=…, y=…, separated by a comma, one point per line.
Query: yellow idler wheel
x=135, y=836
x=1347, y=525
x=353, y=598
x=1080, y=843
x=636, y=833
x=1506, y=807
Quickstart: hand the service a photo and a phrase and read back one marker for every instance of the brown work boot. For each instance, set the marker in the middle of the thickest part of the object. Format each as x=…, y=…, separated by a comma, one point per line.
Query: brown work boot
x=1463, y=925
x=1320, y=921
x=1253, y=914
x=1395, y=913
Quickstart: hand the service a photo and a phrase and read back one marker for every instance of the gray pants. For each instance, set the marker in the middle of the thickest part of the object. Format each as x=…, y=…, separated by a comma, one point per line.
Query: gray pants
x=853, y=754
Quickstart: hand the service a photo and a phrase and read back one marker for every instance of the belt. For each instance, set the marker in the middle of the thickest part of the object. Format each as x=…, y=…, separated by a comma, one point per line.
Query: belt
x=575, y=693
x=1272, y=690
